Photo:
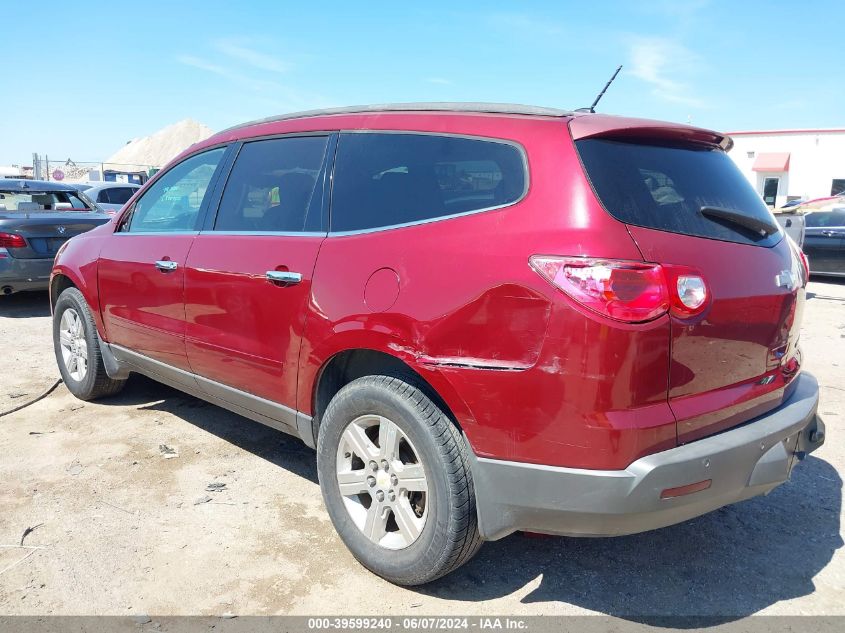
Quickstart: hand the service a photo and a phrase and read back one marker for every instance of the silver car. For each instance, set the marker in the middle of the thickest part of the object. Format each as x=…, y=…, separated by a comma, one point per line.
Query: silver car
x=109, y=196
x=36, y=218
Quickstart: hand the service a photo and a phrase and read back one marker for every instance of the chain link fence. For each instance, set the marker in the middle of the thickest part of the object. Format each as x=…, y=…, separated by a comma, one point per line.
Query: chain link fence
x=45, y=168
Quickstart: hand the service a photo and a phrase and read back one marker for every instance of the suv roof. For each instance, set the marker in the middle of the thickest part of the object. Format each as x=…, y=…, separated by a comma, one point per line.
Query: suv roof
x=583, y=124
x=444, y=106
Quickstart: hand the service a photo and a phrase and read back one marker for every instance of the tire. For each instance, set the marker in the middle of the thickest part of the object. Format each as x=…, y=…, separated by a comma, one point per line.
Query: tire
x=431, y=526
x=75, y=335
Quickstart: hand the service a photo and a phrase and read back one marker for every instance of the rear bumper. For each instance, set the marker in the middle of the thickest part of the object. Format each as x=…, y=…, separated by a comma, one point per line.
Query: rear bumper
x=25, y=274
x=740, y=463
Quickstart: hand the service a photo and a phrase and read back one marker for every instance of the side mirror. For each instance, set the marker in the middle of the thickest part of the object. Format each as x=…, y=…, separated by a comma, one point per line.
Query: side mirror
x=788, y=223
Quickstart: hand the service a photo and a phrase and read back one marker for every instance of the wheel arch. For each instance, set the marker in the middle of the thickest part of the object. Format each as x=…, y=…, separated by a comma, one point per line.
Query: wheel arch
x=64, y=277
x=346, y=365
x=60, y=282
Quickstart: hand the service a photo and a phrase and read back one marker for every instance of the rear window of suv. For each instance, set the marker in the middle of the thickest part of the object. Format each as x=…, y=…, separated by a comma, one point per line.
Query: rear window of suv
x=389, y=179
x=680, y=189
x=29, y=201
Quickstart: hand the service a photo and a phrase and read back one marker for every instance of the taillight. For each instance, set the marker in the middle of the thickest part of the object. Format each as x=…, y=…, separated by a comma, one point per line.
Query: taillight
x=805, y=264
x=687, y=290
x=11, y=240
x=633, y=292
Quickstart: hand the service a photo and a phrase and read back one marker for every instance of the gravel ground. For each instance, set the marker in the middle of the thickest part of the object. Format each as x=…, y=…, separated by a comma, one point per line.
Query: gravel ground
x=126, y=529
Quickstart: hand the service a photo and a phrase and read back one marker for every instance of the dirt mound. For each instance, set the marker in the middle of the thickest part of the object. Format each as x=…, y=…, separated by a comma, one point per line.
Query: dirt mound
x=157, y=149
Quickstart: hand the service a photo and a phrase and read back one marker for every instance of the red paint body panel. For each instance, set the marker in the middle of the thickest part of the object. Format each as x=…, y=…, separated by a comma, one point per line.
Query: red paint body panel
x=523, y=358
x=241, y=329
x=143, y=307
x=720, y=359
x=530, y=374
x=77, y=260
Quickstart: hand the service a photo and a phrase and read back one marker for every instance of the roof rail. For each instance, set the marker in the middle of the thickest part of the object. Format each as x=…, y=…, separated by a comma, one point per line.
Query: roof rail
x=488, y=108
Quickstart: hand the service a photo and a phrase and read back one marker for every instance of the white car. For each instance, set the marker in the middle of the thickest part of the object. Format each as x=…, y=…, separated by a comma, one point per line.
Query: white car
x=793, y=223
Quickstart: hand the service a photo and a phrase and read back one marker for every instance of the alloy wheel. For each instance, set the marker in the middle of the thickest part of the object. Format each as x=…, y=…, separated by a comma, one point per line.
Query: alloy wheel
x=382, y=481
x=74, y=345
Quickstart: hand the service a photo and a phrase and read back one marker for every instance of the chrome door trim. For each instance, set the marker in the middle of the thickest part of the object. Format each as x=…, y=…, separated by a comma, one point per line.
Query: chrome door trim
x=257, y=233
x=283, y=277
x=137, y=233
x=441, y=218
x=166, y=265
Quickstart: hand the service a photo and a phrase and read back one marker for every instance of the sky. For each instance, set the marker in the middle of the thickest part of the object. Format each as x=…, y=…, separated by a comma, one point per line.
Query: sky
x=83, y=78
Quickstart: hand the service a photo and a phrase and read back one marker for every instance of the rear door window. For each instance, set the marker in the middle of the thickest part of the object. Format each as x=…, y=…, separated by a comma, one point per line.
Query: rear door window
x=275, y=186
x=671, y=188
x=391, y=179
x=30, y=201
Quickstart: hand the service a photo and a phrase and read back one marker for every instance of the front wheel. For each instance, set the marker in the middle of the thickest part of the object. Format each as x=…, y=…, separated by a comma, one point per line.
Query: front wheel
x=396, y=481
x=78, y=350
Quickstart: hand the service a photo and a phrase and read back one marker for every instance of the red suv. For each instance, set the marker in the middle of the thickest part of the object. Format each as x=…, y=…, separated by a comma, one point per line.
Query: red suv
x=485, y=318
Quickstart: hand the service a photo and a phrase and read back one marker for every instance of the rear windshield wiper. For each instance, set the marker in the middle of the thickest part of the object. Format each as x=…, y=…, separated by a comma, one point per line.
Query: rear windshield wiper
x=740, y=219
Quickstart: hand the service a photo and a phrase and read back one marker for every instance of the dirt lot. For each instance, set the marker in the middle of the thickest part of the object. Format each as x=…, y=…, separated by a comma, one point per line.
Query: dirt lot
x=126, y=530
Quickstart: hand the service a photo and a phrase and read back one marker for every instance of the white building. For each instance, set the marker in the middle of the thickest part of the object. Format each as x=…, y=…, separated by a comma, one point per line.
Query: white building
x=787, y=165
x=10, y=171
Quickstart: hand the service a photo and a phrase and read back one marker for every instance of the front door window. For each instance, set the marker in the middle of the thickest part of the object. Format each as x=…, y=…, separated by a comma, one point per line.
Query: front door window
x=172, y=203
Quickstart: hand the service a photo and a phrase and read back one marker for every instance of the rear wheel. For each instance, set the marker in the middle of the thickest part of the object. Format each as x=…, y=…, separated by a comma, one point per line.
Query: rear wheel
x=396, y=481
x=78, y=350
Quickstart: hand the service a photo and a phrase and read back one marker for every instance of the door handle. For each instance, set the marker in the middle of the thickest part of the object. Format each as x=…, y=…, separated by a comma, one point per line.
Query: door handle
x=284, y=277
x=828, y=233
x=166, y=266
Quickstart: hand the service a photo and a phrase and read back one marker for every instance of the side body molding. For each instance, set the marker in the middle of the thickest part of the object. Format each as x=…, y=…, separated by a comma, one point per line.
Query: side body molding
x=119, y=362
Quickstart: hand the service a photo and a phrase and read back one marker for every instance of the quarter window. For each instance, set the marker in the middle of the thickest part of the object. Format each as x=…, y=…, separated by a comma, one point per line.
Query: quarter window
x=275, y=186
x=385, y=180
x=173, y=202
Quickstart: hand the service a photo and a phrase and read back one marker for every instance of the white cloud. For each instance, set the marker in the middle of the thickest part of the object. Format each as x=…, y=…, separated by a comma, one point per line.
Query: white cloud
x=271, y=96
x=251, y=57
x=227, y=73
x=665, y=64
x=253, y=70
x=196, y=62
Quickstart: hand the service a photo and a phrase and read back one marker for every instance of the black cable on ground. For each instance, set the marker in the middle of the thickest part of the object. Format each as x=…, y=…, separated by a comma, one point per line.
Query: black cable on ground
x=41, y=396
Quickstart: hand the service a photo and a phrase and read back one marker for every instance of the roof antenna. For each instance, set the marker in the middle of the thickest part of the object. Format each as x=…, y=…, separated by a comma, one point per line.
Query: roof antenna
x=592, y=108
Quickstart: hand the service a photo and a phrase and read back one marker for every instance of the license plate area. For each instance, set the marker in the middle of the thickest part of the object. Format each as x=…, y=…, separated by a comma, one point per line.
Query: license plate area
x=47, y=245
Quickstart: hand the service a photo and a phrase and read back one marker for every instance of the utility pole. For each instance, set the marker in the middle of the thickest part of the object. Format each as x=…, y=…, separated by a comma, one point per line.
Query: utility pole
x=36, y=166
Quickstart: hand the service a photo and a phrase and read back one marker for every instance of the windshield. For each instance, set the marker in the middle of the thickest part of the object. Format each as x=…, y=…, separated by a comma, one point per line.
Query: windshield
x=680, y=189
x=35, y=201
